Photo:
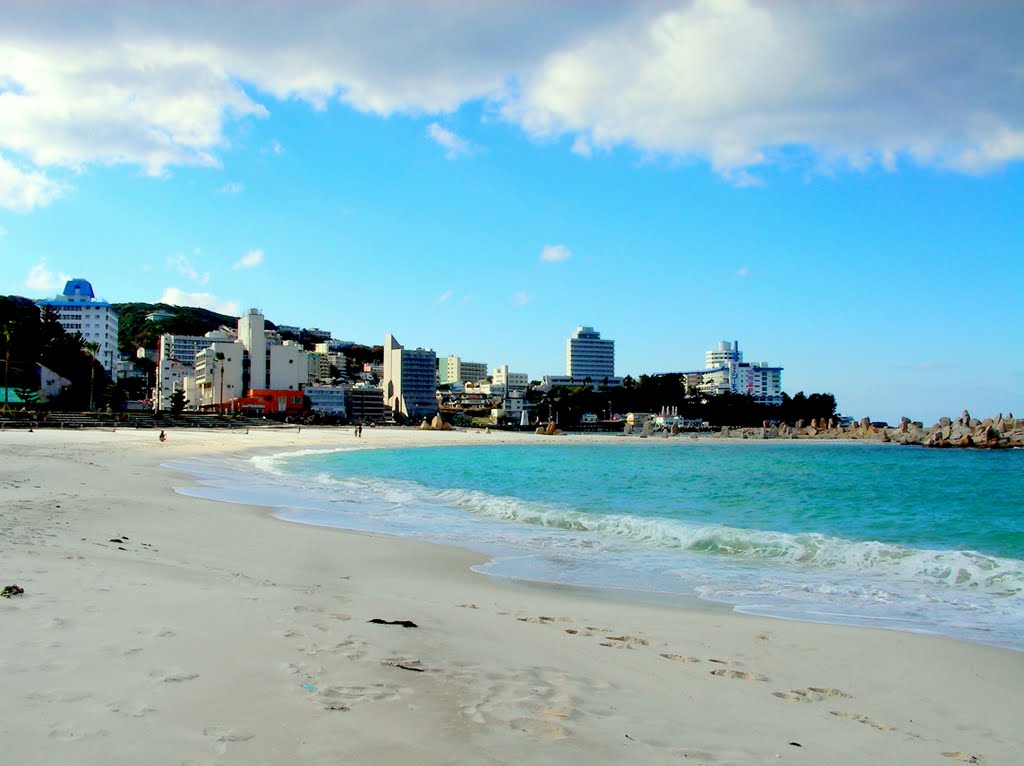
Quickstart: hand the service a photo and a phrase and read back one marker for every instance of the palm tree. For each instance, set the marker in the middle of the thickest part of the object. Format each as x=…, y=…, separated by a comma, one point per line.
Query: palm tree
x=219, y=356
x=7, y=330
x=92, y=349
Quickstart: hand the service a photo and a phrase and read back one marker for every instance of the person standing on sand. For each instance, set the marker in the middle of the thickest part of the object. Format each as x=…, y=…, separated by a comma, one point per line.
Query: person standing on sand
x=163, y=436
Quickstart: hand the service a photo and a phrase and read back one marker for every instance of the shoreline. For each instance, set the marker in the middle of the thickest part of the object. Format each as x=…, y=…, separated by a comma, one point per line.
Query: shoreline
x=512, y=561
x=215, y=633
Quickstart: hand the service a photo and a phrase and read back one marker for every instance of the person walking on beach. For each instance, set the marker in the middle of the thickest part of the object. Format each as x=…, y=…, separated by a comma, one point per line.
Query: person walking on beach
x=163, y=436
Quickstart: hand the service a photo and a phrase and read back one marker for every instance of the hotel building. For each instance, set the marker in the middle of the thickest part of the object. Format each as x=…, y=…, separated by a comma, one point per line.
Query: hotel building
x=78, y=310
x=588, y=356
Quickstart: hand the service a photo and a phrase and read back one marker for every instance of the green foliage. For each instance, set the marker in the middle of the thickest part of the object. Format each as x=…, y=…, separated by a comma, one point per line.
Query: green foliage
x=650, y=393
x=135, y=331
x=29, y=337
x=358, y=355
x=178, y=402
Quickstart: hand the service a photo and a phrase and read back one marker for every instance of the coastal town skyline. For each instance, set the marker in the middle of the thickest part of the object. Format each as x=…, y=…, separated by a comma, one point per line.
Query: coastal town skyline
x=503, y=187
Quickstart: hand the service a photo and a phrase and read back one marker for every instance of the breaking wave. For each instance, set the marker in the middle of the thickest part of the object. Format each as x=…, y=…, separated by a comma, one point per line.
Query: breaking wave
x=951, y=568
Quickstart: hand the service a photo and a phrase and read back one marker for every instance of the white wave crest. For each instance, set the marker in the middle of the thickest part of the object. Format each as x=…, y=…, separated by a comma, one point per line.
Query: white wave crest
x=951, y=568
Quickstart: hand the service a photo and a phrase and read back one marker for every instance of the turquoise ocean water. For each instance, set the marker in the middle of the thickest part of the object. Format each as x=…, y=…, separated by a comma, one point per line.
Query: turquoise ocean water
x=905, y=538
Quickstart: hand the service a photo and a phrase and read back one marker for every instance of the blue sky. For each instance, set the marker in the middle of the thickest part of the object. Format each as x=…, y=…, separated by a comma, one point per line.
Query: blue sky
x=838, y=186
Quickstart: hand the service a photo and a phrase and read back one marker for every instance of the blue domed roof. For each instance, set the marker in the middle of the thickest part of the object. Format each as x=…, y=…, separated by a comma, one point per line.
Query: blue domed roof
x=79, y=287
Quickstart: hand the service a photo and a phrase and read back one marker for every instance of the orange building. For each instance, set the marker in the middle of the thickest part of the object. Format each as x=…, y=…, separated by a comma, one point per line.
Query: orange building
x=266, y=402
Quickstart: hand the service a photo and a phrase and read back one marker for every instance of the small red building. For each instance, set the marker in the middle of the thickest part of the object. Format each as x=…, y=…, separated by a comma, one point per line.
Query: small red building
x=266, y=402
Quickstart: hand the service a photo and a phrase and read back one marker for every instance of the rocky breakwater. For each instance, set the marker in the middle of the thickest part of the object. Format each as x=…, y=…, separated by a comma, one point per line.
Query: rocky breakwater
x=965, y=431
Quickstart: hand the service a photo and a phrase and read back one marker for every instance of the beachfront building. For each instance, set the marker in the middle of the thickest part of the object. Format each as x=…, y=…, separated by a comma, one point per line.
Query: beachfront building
x=726, y=372
x=183, y=348
x=453, y=369
x=263, y=402
x=587, y=355
x=171, y=375
x=252, y=334
x=79, y=311
x=365, y=403
x=218, y=373
x=326, y=400
x=510, y=408
x=409, y=380
x=176, y=360
x=287, y=366
x=509, y=381
x=235, y=364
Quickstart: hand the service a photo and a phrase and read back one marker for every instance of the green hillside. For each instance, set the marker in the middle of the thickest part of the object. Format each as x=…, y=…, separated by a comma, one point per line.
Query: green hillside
x=134, y=331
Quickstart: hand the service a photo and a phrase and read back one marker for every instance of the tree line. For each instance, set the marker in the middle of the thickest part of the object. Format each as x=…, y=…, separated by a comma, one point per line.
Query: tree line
x=30, y=337
x=654, y=393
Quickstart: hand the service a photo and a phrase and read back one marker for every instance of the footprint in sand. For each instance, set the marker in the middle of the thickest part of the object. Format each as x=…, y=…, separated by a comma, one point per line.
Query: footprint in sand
x=127, y=708
x=960, y=755
x=58, y=696
x=69, y=734
x=829, y=692
x=542, y=619
x=680, y=657
x=345, y=697
x=730, y=663
x=406, y=663
x=861, y=719
x=219, y=734
x=624, y=642
x=535, y=727
x=174, y=678
x=811, y=694
x=743, y=675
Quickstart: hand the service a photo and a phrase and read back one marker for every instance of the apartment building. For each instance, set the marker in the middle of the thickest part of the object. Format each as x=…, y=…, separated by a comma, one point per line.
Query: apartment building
x=409, y=380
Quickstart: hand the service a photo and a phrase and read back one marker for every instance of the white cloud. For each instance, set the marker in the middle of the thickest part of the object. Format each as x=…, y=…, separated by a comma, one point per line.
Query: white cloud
x=554, y=253
x=582, y=147
x=41, y=278
x=183, y=266
x=743, y=272
x=175, y=297
x=23, y=190
x=250, y=260
x=233, y=187
x=455, y=145
x=521, y=298
x=445, y=296
x=736, y=83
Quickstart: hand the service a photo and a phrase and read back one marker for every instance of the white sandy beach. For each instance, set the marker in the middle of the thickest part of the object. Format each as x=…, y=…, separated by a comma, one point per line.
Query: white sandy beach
x=214, y=633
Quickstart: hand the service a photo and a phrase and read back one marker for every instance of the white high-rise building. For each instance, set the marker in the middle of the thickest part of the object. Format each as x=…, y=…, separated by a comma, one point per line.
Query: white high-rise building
x=455, y=370
x=176, y=360
x=78, y=310
x=219, y=373
x=725, y=371
x=721, y=356
x=183, y=348
x=588, y=356
x=252, y=333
